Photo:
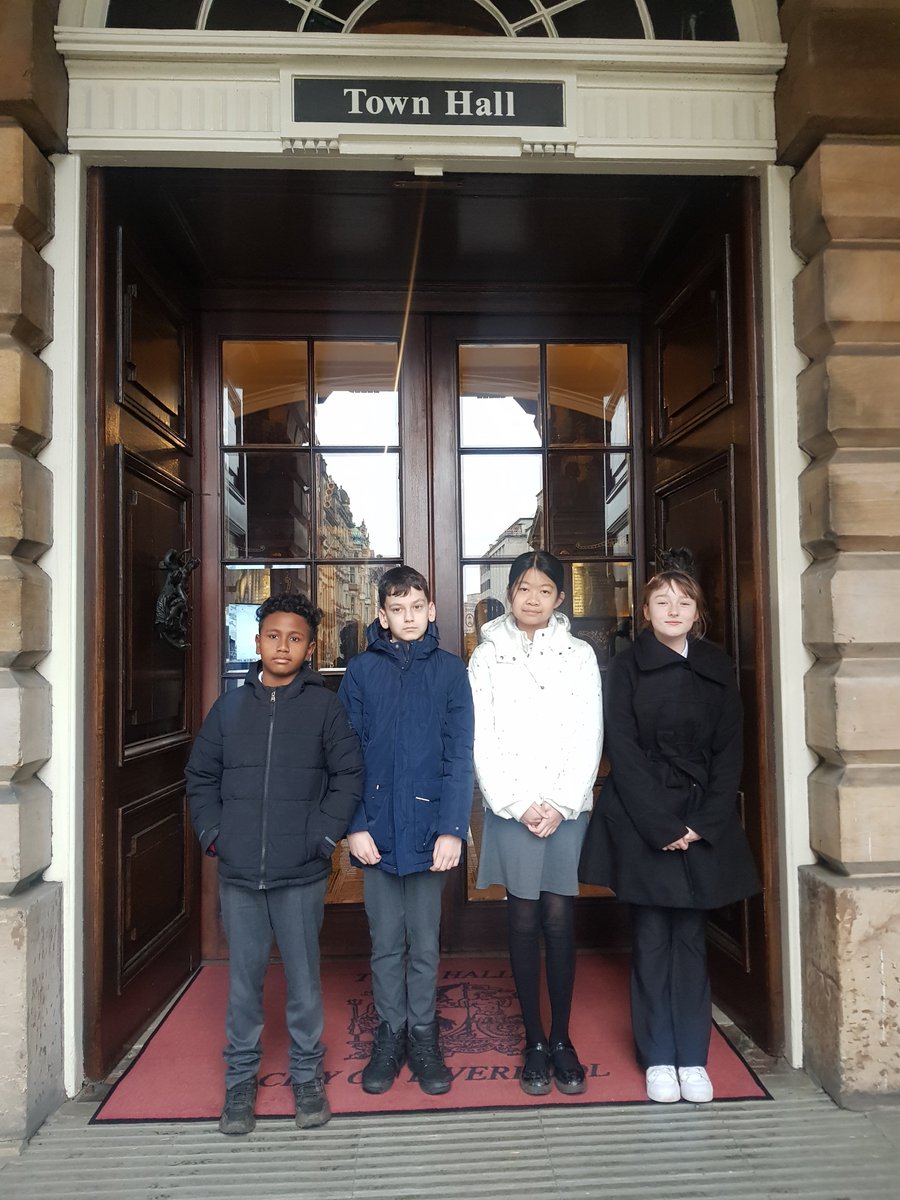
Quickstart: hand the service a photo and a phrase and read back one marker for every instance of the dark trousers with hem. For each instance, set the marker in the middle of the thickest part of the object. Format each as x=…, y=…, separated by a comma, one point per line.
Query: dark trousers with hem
x=251, y=917
x=404, y=914
x=671, y=1005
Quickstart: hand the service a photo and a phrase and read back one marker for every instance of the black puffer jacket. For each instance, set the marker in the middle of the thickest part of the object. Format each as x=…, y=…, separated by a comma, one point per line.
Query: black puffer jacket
x=273, y=779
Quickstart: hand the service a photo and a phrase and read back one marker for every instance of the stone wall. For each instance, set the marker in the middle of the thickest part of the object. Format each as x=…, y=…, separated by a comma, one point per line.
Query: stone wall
x=32, y=106
x=841, y=83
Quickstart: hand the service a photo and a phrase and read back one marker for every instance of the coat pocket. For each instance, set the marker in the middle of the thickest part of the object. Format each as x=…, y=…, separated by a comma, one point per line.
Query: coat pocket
x=425, y=815
x=379, y=816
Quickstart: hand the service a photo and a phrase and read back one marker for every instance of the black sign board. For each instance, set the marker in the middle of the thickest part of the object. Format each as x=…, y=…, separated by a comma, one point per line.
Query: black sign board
x=428, y=102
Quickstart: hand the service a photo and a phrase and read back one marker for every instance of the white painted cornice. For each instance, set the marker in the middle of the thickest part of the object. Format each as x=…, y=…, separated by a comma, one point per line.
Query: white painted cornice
x=153, y=45
x=151, y=93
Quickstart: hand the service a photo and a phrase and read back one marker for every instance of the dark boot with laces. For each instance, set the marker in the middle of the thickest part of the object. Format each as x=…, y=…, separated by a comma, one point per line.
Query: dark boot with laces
x=426, y=1060
x=238, y=1115
x=311, y=1103
x=388, y=1056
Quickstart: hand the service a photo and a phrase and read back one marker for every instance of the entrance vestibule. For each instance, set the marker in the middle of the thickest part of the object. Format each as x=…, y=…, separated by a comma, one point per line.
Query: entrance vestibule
x=576, y=368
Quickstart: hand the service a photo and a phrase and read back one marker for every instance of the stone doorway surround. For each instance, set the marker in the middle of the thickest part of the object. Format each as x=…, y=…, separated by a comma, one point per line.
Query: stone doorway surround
x=838, y=113
x=639, y=107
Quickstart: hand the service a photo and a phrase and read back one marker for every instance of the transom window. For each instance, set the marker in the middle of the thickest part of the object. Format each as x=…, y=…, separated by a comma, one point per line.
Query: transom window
x=679, y=20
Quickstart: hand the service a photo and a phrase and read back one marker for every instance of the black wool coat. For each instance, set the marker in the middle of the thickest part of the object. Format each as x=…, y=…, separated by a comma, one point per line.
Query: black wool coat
x=674, y=742
x=273, y=779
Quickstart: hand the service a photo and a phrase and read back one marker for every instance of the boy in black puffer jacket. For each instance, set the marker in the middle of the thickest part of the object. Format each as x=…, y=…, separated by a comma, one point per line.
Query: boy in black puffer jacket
x=273, y=779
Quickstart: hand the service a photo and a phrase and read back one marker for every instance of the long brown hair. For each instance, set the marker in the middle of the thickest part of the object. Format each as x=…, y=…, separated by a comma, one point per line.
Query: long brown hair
x=684, y=583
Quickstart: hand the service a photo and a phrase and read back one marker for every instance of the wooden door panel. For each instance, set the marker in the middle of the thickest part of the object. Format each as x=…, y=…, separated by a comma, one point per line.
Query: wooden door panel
x=696, y=509
x=705, y=491
x=694, y=342
x=154, y=518
x=142, y=928
x=154, y=874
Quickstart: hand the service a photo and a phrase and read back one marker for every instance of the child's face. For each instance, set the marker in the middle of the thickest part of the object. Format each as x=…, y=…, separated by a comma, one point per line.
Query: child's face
x=671, y=613
x=284, y=643
x=533, y=600
x=406, y=616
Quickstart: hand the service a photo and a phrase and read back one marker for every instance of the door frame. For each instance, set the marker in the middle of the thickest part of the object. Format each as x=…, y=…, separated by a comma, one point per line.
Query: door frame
x=67, y=457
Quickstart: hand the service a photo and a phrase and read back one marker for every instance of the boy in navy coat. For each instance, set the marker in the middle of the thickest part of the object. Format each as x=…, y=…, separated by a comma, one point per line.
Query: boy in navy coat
x=410, y=703
x=273, y=779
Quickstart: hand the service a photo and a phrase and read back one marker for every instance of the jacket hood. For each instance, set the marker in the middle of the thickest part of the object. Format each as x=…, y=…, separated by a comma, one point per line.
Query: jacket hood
x=707, y=659
x=506, y=637
x=306, y=677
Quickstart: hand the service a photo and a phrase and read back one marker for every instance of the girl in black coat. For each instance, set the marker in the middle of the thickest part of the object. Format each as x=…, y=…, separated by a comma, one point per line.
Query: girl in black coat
x=674, y=846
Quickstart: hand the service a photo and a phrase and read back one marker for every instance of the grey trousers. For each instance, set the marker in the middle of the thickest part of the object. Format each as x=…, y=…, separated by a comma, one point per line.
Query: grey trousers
x=251, y=918
x=404, y=914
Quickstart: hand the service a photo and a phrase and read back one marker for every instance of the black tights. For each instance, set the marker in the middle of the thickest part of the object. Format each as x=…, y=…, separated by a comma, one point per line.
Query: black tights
x=553, y=916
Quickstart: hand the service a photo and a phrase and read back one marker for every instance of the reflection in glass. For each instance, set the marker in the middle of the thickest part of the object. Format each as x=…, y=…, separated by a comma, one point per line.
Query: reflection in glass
x=348, y=597
x=589, y=507
x=484, y=598
x=587, y=387
x=266, y=499
x=498, y=395
x=500, y=496
x=599, y=605
x=356, y=404
x=265, y=393
x=358, y=505
x=244, y=590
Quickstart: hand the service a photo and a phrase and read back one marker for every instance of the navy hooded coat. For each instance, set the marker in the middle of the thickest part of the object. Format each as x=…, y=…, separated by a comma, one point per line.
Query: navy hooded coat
x=411, y=706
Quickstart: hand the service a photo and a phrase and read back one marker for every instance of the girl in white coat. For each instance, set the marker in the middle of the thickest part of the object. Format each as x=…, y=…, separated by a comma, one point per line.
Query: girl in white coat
x=538, y=736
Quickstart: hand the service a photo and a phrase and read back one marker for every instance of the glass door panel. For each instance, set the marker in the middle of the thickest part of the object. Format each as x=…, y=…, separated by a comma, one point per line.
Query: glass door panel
x=310, y=497
x=542, y=434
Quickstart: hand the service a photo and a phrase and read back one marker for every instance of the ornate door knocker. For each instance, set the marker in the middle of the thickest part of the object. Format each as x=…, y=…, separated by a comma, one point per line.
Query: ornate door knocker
x=172, y=603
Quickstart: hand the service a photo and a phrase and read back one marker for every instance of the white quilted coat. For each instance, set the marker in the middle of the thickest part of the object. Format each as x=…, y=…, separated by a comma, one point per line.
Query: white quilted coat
x=538, y=718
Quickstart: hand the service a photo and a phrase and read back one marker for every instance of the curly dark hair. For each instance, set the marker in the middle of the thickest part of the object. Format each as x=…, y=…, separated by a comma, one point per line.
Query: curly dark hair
x=291, y=602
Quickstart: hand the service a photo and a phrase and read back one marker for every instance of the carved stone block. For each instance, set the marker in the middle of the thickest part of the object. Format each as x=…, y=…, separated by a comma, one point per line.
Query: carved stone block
x=25, y=505
x=25, y=604
x=853, y=817
x=24, y=399
x=851, y=979
x=850, y=606
x=851, y=501
x=24, y=834
x=26, y=187
x=850, y=400
x=24, y=724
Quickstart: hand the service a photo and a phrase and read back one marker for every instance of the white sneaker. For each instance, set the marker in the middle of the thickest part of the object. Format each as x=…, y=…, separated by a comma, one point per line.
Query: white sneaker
x=696, y=1087
x=662, y=1085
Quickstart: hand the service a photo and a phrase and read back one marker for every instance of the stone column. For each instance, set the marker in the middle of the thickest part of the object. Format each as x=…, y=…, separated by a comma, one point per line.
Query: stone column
x=838, y=120
x=846, y=207
x=32, y=112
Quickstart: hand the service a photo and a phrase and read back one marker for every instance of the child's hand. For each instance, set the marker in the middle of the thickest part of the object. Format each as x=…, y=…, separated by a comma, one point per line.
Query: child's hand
x=362, y=846
x=532, y=817
x=447, y=852
x=551, y=819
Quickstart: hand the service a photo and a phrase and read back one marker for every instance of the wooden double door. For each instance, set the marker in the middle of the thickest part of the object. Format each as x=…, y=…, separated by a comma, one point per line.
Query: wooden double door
x=311, y=449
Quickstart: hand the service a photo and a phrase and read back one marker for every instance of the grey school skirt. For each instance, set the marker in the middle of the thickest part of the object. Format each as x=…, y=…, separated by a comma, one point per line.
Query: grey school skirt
x=527, y=865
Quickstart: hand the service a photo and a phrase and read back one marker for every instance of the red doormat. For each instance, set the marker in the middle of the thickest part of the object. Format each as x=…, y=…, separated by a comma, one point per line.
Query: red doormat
x=178, y=1076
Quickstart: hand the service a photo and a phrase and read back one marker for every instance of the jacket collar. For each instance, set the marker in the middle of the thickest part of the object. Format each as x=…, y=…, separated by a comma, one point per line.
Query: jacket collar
x=306, y=677
x=378, y=640
x=506, y=637
x=703, y=657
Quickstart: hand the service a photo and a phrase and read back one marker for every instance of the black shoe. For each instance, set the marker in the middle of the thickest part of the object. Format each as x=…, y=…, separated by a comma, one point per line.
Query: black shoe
x=568, y=1073
x=388, y=1056
x=238, y=1115
x=535, y=1077
x=426, y=1060
x=312, y=1104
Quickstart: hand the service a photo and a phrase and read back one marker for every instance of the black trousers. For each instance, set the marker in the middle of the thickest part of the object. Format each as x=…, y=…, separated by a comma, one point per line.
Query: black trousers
x=671, y=1005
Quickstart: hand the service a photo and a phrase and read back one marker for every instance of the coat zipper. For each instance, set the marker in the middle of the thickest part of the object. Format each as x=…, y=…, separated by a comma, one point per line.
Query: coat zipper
x=265, y=795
